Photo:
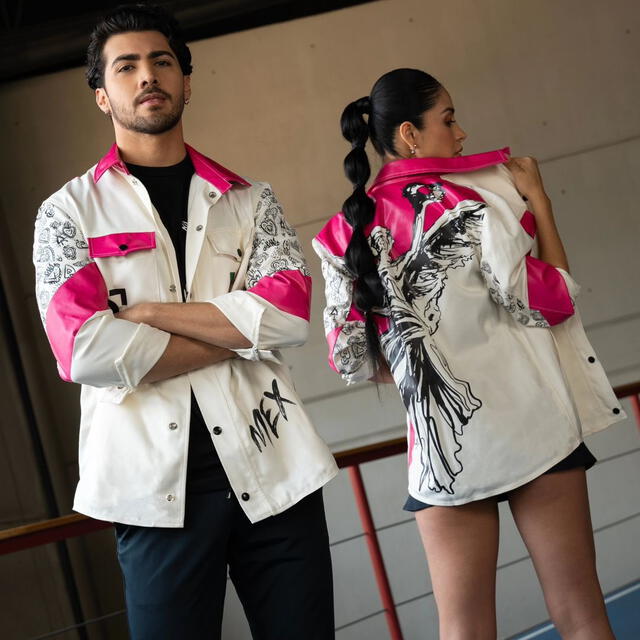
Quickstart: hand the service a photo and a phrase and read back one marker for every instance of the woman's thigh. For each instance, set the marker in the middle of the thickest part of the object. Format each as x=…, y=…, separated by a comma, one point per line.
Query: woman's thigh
x=552, y=515
x=461, y=544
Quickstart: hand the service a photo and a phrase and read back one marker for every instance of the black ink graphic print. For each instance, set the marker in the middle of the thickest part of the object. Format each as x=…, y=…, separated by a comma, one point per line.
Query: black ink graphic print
x=275, y=245
x=60, y=250
x=439, y=404
x=266, y=420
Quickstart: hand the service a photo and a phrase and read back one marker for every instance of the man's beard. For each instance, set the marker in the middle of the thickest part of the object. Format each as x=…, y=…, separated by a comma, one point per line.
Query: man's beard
x=154, y=123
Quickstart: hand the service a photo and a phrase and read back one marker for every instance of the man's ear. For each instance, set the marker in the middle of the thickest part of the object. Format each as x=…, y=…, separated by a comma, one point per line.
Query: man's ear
x=102, y=100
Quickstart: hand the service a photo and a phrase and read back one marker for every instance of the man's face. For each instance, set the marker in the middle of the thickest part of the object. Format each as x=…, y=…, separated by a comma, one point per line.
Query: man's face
x=144, y=89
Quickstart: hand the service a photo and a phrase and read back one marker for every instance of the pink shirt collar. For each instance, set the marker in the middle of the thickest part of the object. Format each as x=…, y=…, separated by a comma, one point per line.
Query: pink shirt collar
x=458, y=164
x=207, y=169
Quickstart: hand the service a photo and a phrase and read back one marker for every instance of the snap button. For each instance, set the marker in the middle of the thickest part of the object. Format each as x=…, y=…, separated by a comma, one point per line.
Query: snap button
x=616, y=411
x=120, y=386
x=199, y=227
x=172, y=288
x=212, y=194
x=134, y=181
x=217, y=430
x=123, y=247
x=245, y=496
x=240, y=253
x=170, y=498
x=173, y=426
x=591, y=359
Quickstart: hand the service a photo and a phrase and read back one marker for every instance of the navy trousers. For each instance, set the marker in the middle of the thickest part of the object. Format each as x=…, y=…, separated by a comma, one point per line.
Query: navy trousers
x=175, y=579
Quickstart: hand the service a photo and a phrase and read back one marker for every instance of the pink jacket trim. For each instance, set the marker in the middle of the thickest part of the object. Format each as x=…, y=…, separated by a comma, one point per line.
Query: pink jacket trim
x=290, y=291
x=120, y=244
x=207, y=169
x=335, y=235
x=111, y=159
x=548, y=292
x=332, y=338
x=355, y=315
x=412, y=442
x=458, y=164
x=79, y=298
x=528, y=222
x=214, y=173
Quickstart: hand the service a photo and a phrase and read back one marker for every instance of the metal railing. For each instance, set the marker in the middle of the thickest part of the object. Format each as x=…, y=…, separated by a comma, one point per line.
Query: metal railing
x=70, y=526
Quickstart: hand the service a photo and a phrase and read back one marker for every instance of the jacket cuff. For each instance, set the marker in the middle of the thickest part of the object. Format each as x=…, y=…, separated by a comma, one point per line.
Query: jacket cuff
x=244, y=312
x=144, y=349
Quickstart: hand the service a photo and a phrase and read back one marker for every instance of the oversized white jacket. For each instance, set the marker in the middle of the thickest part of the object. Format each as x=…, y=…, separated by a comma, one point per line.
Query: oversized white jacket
x=483, y=340
x=100, y=245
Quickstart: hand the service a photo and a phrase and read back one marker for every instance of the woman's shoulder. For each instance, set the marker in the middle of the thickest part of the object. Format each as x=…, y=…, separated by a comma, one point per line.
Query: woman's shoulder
x=334, y=236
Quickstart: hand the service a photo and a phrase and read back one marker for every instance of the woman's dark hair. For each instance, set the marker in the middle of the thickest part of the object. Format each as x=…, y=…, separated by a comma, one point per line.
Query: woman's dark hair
x=134, y=17
x=402, y=95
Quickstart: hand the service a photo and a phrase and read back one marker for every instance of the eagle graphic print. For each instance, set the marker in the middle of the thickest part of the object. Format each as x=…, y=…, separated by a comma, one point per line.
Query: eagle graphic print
x=439, y=404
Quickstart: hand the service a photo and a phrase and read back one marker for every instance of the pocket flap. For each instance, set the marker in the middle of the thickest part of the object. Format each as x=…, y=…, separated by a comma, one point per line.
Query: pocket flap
x=226, y=240
x=120, y=244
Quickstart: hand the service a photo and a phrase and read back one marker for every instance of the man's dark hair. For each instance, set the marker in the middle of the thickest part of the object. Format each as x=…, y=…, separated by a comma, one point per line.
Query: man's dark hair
x=134, y=17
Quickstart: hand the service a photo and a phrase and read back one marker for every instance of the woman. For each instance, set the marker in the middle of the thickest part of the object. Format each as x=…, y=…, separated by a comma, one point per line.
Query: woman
x=430, y=284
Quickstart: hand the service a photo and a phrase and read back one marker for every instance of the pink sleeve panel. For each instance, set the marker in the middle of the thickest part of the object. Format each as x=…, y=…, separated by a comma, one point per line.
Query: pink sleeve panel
x=335, y=235
x=528, y=222
x=79, y=298
x=548, y=292
x=289, y=291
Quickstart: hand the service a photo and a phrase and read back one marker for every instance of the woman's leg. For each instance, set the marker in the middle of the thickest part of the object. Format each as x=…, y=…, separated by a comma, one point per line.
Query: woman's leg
x=552, y=515
x=461, y=544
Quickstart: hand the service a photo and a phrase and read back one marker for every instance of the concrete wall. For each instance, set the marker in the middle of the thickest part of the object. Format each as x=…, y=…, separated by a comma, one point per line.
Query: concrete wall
x=554, y=79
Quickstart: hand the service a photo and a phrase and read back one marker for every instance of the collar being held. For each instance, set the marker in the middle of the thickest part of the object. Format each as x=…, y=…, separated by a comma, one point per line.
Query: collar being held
x=214, y=173
x=457, y=164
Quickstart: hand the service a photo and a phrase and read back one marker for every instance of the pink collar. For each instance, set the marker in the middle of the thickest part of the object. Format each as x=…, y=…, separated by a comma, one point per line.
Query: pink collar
x=207, y=169
x=458, y=164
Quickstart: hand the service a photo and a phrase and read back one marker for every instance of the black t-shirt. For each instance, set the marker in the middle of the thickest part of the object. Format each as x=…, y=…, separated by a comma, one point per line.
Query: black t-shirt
x=168, y=188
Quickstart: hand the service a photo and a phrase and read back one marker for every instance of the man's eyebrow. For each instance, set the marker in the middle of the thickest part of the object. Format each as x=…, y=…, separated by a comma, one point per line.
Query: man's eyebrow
x=136, y=56
x=125, y=56
x=159, y=53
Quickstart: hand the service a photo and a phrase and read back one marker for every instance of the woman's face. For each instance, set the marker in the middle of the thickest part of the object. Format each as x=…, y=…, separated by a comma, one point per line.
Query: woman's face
x=440, y=137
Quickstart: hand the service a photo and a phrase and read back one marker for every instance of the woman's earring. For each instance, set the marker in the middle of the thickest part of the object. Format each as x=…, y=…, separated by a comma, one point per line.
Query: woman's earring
x=186, y=100
x=412, y=150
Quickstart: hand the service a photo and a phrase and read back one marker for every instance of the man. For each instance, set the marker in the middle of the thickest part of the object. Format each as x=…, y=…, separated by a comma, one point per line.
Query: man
x=166, y=285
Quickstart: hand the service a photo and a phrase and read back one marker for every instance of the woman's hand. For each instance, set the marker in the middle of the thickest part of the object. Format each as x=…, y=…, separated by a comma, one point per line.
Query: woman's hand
x=527, y=178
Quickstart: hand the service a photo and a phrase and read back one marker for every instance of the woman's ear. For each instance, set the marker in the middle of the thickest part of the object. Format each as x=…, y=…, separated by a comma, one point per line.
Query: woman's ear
x=407, y=135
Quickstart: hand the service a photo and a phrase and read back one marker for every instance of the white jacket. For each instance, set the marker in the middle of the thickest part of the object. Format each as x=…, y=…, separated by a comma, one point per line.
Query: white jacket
x=100, y=245
x=483, y=340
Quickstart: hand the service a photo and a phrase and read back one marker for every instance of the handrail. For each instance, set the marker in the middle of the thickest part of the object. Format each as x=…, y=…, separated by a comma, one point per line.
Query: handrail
x=70, y=526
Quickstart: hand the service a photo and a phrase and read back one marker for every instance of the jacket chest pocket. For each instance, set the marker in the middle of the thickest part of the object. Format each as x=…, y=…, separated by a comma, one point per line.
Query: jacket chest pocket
x=127, y=262
x=227, y=253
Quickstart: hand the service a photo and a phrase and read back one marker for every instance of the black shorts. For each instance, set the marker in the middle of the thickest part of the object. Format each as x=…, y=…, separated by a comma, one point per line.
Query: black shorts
x=579, y=457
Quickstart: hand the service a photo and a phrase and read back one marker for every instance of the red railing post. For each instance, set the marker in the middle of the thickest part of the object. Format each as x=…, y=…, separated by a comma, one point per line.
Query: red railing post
x=374, y=551
x=635, y=404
